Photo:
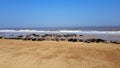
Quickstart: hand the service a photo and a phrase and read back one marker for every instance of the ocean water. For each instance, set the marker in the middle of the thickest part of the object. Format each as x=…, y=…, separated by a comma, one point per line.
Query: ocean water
x=107, y=33
x=95, y=28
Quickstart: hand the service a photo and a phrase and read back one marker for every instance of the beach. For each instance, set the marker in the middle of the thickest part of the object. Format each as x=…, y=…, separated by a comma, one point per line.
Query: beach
x=59, y=33
x=62, y=54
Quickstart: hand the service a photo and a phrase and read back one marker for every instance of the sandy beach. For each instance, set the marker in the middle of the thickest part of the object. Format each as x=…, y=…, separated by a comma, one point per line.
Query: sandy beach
x=59, y=33
x=63, y=54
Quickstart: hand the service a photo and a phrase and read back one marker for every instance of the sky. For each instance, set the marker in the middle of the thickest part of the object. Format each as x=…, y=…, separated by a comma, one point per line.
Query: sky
x=59, y=13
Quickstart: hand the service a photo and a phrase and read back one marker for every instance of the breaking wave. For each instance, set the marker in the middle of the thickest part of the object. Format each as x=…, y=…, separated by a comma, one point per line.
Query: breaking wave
x=63, y=31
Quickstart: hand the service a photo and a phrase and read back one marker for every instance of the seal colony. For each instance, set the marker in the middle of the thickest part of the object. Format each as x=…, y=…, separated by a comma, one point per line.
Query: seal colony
x=58, y=37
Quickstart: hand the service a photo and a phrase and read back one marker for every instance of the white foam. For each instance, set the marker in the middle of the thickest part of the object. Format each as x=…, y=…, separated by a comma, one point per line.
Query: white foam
x=64, y=31
x=69, y=31
x=7, y=30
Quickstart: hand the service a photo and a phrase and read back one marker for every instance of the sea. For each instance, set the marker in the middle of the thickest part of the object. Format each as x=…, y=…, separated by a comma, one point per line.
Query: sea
x=103, y=32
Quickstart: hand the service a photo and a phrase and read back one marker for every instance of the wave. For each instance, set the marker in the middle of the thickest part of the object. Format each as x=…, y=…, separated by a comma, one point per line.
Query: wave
x=63, y=31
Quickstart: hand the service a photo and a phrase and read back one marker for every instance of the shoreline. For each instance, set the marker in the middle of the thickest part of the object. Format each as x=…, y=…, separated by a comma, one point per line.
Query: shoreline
x=70, y=37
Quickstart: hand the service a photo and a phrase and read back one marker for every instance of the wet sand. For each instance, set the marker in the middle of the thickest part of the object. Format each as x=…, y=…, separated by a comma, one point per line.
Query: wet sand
x=63, y=54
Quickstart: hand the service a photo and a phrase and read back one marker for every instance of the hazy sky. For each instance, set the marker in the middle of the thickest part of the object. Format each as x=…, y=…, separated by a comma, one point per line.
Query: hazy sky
x=59, y=13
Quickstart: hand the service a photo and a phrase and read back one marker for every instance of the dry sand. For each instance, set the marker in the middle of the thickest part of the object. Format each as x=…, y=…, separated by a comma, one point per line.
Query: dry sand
x=51, y=54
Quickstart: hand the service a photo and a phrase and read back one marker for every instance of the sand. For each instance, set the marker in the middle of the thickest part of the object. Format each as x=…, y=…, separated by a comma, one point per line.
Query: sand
x=63, y=54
